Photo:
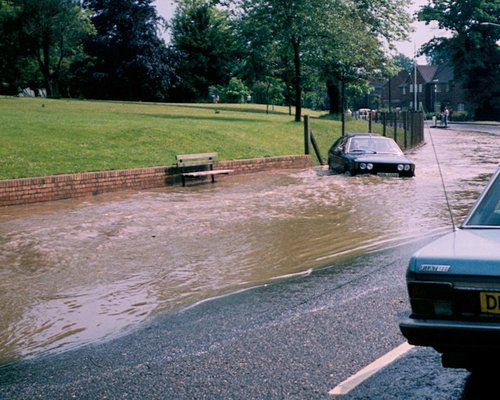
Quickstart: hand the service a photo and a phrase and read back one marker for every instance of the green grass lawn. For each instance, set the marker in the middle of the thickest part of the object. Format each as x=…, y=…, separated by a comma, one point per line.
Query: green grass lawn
x=48, y=137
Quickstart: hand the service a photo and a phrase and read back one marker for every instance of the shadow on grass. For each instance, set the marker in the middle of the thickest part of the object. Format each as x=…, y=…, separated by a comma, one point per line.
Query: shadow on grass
x=221, y=114
x=231, y=108
x=217, y=117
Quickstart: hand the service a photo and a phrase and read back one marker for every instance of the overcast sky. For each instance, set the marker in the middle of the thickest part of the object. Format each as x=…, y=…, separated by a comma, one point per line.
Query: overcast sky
x=422, y=34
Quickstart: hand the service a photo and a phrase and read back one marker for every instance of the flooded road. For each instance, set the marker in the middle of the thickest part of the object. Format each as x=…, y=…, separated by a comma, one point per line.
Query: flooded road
x=78, y=271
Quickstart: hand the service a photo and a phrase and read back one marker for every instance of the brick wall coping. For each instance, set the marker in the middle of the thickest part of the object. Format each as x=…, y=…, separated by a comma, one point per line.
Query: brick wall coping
x=58, y=187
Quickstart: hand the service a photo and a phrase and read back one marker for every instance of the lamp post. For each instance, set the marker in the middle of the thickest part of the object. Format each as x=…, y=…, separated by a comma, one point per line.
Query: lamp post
x=415, y=86
x=435, y=91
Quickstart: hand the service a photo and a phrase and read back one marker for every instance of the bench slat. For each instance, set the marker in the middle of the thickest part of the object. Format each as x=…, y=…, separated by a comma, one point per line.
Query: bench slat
x=181, y=157
x=204, y=173
x=196, y=163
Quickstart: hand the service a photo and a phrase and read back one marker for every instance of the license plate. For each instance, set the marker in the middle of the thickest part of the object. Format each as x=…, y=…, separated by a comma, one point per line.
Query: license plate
x=490, y=302
x=388, y=174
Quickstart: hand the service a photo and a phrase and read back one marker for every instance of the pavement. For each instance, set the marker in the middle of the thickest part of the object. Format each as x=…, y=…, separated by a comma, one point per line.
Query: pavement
x=490, y=127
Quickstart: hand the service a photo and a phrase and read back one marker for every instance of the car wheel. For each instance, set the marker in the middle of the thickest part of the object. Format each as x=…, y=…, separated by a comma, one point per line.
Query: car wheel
x=476, y=363
x=352, y=171
x=485, y=368
x=330, y=167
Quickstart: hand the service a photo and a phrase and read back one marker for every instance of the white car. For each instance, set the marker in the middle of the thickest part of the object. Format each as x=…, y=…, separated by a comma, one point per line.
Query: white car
x=454, y=289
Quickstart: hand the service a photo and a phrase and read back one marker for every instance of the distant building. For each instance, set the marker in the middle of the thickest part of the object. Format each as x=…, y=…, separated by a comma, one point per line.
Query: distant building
x=434, y=89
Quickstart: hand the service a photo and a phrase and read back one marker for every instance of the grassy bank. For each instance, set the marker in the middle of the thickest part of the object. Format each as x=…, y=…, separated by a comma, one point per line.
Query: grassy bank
x=47, y=137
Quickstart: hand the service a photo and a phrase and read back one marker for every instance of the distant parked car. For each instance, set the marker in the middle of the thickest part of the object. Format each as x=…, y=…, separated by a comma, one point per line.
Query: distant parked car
x=368, y=153
x=454, y=289
x=363, y=113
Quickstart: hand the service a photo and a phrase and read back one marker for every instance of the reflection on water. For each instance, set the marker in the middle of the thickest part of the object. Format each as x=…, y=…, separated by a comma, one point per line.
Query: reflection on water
x=78, y=271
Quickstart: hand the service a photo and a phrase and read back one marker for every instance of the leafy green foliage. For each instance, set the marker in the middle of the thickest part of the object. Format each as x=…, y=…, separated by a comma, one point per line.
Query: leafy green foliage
x=308, y=41
x=269, y=91
x=46, y=32
x=403, y=62
x=10, y=48
x=283, y=49
x=126, y=58
x=234, y=92
x=204, y=49
x=472, y=48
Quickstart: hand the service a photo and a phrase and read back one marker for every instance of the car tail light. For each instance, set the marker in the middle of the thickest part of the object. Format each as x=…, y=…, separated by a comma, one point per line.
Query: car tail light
x=430, y=299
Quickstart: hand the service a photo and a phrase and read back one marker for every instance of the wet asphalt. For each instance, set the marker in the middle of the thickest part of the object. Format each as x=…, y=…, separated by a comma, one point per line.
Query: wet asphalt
x=292, y=339
x=418, y=375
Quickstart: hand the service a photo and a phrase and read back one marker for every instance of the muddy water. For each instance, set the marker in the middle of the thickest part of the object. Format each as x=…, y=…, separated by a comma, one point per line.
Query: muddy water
x=78, y=271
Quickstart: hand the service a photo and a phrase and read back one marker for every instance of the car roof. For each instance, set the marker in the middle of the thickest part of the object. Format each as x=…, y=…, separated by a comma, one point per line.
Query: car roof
x=364, y=134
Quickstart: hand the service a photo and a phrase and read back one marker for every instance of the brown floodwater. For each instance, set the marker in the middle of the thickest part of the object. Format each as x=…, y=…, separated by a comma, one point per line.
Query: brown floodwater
x=79, y=271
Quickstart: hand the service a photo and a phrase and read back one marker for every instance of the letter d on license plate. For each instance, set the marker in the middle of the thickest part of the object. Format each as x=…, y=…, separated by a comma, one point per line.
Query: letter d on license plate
x=490, y=302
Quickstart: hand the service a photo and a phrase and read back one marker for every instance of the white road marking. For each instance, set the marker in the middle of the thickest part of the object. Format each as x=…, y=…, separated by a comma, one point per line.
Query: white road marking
x=356, y=379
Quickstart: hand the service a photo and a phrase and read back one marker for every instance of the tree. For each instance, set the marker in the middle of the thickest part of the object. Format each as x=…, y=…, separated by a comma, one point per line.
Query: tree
x=262, y=63
x=47, y=32
x=10, y=49
x=355, y=54
x=403, y=62
x=327, y=38
x=234, y=92
x=472, y=48
x=269, y=91
x=259, y=58
x=127, y=59
x=290, y=26
x=205, y=48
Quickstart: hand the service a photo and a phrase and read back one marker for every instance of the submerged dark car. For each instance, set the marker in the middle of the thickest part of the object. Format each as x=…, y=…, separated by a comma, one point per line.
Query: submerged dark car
x=367, y=153
x=454, y=289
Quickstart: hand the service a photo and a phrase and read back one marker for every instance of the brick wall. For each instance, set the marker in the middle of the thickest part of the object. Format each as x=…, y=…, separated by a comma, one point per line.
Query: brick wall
x=265, y=164
x=58, y=187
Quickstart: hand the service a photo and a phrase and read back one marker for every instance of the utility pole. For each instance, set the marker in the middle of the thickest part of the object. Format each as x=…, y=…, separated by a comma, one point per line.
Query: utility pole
x=415, y=86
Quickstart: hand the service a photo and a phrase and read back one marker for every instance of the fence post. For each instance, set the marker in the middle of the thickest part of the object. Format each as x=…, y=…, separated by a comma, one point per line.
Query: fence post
x=412, y=132
x=395, y=123
x=405, y=128
x=316, y=149
x=421, y=126
x=343, y=122
x=384, y=123
x=307, y=135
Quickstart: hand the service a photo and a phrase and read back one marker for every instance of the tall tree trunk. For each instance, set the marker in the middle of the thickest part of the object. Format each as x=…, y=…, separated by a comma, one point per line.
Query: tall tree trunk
x=333, y=88
x=44, y=64
x=298, y=78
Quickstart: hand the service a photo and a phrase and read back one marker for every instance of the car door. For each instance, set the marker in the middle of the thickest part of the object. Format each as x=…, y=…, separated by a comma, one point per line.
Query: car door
x=336, y=159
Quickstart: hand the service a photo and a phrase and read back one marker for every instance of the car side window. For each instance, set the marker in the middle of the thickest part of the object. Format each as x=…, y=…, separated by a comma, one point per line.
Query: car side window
x=340, y=146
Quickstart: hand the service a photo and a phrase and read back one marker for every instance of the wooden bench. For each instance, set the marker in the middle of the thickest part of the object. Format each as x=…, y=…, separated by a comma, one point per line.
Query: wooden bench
x=197, y=165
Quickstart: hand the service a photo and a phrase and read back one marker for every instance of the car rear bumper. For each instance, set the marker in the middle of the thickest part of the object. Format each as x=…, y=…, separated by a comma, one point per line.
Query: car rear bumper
x=452, y=335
